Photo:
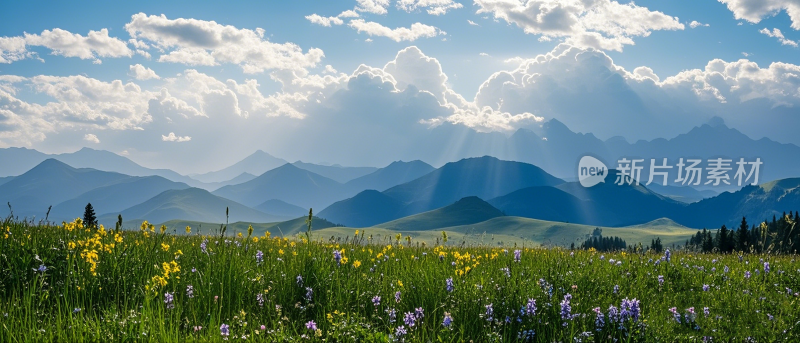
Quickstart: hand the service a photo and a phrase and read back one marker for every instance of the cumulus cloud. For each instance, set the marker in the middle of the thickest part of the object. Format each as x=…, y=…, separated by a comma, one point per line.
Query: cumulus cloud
x=434, y=7
x=349, y=14
x=756, y=10
x=472, y=23
x=91, y=138
x=173, y=138
x=324, y=21
x=62, y=42
x=776, y=33
x=141, y=72
x=372, y=6
x=695, y=24
x=400, y=34
x=200, y=42
x=601, y=24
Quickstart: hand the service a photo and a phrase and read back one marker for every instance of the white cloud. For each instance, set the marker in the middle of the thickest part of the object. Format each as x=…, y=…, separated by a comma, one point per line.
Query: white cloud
x=91, y=138
x=372, y=6
x=416, y=31
x=324, y=21
x=348, y=14
x=173, y=138
x=200, y=42
x=484, y=54
x=601, y=24
x=755, y=10
x=695, y=24
x=776, y=33
x=434, y=7
x=472, y=23
x=62, y=42
x=141, y=72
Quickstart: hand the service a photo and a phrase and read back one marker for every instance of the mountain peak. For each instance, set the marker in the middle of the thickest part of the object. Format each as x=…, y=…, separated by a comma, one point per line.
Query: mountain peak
x=715, y=122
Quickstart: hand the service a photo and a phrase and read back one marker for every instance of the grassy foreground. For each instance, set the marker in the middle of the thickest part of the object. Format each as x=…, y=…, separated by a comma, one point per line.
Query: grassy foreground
x=70, y=283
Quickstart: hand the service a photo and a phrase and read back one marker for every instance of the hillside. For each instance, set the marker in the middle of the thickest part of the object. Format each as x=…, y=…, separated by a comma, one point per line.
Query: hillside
x=396, y=173
x=367, y=208
x=280, y=208
x=468, y=210
x=277, y=229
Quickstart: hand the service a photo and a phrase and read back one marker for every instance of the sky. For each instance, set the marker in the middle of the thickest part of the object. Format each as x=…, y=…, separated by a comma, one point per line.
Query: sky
x=196, y=86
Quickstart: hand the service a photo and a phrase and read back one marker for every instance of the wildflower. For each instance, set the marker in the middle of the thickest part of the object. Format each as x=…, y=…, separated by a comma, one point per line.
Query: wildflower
x=449, y=285
x=507, y=271
x=771, y=317
x=224, y=329
x=448, y=320
x=530, y=307
x=667, y=255
x=419, y=312
x=400, y=331
x=566, y=308
x=189, y=291
x=747, y=274
x=188, y=229
x=309, y=294
x=661, y=280
x=409, y=319
x=311, y=326
x=599, y=320
x=42, y=268
x=630, y=310
x=690, y=315
x=489, y=312
x=376, y=301
x=766, y=267
x=337, y=256
x=259, y=256
x=706, y=311
x=517, y=255
x=356, y=264
x=675, y=314
x=613, y=314
x=397, y=296
x=168, y=297
x=299, y=279
x=76, y=310
x=203, y=246
x=706, y=288
x=260, y=299
x=263, y=327
x=726, y=269
x=392, y=315
x=197, y=327
x=616, y=289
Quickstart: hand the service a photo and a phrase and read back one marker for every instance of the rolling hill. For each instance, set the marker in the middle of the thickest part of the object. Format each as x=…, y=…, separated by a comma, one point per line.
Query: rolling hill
x=469, y=210
x=546, y=203
x=114, y=197
x=280, y=208
x=50, y=183
x=287, y=183
x=367, y=208
x=276, y=229
x=189, y=204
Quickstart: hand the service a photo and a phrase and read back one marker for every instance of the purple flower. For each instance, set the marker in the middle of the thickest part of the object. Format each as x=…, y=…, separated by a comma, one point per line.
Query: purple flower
x=337, y=256
x=766, y=267
x=507, y=271
x=599, y=320
x=376, y=300
x=397, y=296
x=706, y=311
x=409, y=319
x=311, y=326
x=726, y=269
x=168, y=297
x=613, y=314
x=224, y=330
x=259, y=256
x=419, y=313
x=489, y=312
x=447, y=320
x=706, y=288
x=530, y=307
x=42, y=268
x=661, y=280
x=566, y=308
x=690, y=315
x=203, y=247
x=517, y=255
x=616, y=289
x=400, y=331
x=392, y=315
x=667, y=255
x=309, y=294
x=260, y=299
x=630, y=309
x=190, y=291
x=747, y=274
x=449, y=284
x=675, y=314
x=299, y=281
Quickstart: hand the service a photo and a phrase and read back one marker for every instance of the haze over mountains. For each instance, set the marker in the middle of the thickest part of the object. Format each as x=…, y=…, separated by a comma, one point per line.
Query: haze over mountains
x=410, y=195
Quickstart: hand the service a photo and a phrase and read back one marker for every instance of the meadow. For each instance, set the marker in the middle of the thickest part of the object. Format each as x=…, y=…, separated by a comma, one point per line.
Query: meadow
x=72, y=283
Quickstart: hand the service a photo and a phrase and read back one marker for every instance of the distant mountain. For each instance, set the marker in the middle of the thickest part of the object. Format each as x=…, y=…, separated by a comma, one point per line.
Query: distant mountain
x=114, y=197
x=287, y=183
x=756, y=203
x=4, y=179
x=190, y=204
x=683, y=194
x=23, y=160
x=256, y=164
x=336, y=172
x=367, y=208
x=546, y=203
x=485, y=177
x=396, y=173
x=280, y=208
x=469, y=210
x=50, y=183
x=242, y=178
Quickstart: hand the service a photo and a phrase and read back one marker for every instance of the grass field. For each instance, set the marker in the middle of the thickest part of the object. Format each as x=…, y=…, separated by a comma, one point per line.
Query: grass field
x=70, y=283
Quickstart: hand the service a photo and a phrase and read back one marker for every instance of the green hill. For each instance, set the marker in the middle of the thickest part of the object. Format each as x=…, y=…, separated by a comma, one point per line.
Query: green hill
x=468, y=210
x=284, y=228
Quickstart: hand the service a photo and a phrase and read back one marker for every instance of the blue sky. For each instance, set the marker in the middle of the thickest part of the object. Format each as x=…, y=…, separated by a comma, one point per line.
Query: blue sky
x=58, y=92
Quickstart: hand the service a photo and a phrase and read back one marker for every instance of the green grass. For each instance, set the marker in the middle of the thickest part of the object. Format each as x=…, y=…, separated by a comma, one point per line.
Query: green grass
x=119, y=295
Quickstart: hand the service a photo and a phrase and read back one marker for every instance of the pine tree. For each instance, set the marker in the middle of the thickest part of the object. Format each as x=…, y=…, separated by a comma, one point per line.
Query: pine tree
x=89, y=219
x=742, y=236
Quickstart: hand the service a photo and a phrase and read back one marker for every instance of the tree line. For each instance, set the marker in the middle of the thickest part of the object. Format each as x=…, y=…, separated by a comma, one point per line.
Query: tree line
x=781, y=235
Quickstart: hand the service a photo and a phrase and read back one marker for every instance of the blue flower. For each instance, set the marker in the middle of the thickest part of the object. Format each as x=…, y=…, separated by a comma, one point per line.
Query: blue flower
x=530, y=307
x=489, y=312
x=448, y=320
x=224, y=329
x=376, y=300
x=517, y=255
x=259, y=256
x=311, y=325
x=400, y=331
x=409, y=319
x=449, y=285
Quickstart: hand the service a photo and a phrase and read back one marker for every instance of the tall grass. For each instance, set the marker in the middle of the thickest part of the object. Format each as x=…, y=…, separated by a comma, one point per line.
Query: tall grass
x=70, y=283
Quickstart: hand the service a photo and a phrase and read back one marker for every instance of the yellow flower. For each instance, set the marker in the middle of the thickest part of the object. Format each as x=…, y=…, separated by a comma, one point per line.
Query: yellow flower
x=344, y=260
x=280, y=251
x=239, y=234
x=71, y=245
x=400, y=283
x=398, y=236
x=117, y=238
x=164, y=246
x=188, y=229
x=356, y=232
x=255, y=239
x=249, y=230
x=163, y=228
x=356, y=264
